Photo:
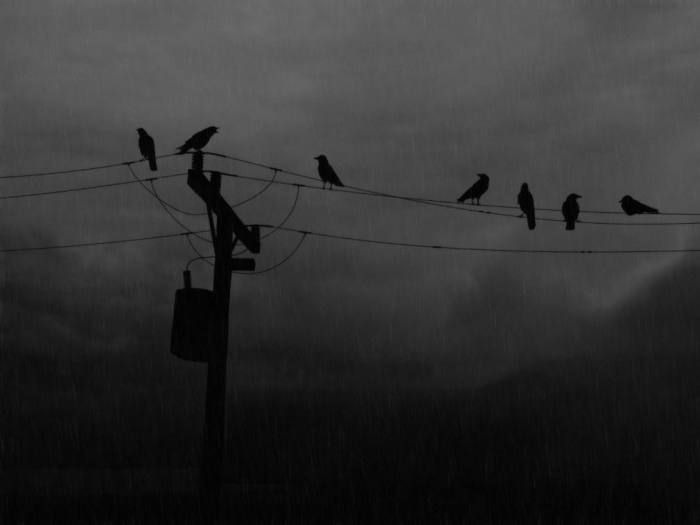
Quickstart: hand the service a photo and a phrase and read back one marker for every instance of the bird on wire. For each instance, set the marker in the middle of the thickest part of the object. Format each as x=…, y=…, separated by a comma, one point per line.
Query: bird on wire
x=570, y=210
x=527, y=205
x=327, y=173
x=147, y=147
x=633, y=207
x=476, y=190
x=198, y=140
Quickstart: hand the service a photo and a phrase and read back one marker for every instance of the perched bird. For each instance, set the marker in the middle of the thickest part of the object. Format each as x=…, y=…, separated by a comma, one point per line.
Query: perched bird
x=327, y=173
x=148, y=148
x=633, y=207
x=477, y=189
x=527, y=205
x=570, y=210
x=198, y=140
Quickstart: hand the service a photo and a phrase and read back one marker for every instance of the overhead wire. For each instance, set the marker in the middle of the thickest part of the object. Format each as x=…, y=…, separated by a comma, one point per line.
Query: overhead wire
x=87, y=188
x=452, y=206
x=94, y=243
x=438, y=201
x=80, y=170
x=477, y=249
x=154, y=193
x=366, y=240
x=281, y=262
x=345, y=189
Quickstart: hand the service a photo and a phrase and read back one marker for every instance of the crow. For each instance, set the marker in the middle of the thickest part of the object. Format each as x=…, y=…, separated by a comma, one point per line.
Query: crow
x=527, y=205
x=633, y=207
x=198, y=140
x=476, y=190
x=327, y=173
x=148, y=148
x=570, y=210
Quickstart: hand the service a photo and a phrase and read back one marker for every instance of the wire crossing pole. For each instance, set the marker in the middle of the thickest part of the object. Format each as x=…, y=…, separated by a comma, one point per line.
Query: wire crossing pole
x=229, y=229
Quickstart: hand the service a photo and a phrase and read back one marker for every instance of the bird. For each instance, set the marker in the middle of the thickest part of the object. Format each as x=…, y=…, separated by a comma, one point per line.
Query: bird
x=477, y=189
x=198, y=140
x=527, y=205
x=570, y=210
x=148, y=148
x=632, y=207
x=327, y=173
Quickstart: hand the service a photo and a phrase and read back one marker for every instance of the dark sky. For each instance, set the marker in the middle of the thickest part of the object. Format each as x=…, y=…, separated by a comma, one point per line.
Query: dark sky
x=593, y=97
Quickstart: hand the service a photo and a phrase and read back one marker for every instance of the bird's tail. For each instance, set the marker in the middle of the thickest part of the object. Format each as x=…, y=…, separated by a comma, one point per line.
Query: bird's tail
x=570, y=225
x=652, y=210
x=531, y=221
x=152, y=163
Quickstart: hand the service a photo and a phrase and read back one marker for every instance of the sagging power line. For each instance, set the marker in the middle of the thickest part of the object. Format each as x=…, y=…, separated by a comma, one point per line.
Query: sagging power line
x=347, y=189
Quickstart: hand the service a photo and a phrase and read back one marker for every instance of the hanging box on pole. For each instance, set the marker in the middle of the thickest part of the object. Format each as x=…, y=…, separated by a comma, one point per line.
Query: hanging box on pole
x=193, y=330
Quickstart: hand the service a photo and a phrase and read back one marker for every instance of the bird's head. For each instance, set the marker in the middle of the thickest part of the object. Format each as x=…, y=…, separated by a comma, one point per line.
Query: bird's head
x=624, y=199
x=524, y=186
x=321, y=158
x=140, y=131
x=482, y=175
x=574, y=196
x=213, y=129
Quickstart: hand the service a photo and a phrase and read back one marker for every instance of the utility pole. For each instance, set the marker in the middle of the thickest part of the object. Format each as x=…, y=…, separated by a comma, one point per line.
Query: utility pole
x=228, y=230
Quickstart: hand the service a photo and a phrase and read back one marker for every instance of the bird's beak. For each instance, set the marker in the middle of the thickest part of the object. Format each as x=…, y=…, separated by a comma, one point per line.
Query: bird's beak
x=317, y=157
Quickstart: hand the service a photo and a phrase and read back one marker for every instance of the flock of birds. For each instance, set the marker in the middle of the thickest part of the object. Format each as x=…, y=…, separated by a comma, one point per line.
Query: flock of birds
x=570, y=208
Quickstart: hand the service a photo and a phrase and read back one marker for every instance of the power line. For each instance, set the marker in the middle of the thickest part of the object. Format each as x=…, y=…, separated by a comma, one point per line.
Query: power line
x=436, y=201
x=476, y=249
x=87, y=188
x=451, y=206
x=279, y=263
x=154, y=193
x=280, y=224
x=350, y=238
x=346, y=189
x=80, y=170
x=95, y=243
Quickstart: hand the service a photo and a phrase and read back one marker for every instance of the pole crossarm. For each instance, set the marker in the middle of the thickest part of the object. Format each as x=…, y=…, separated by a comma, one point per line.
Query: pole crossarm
x=209, y=193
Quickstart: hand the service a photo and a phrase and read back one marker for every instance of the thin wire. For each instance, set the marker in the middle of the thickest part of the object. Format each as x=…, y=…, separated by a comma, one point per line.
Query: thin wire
x=86, y=188
x=357, y=239
x=452, y=206
x=80, y=170
x=94, y=243
x=280, y=224
x=259, y=193
x=439, y=201
x=200, y=255
x=477, y=249
x=260, y=165
x=154, y=193
x=240, y=203
x=280, y=263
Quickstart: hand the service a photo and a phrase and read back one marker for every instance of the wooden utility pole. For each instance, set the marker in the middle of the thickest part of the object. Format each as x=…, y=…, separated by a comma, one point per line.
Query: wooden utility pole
x=229, y=229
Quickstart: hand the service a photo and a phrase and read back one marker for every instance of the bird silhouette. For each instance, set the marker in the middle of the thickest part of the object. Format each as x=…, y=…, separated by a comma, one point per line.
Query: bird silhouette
x=198, y=140
x=633, y=207
x=570, y=210
x=527, y=205
x=327, y=173
x=147, y=147
x=476, y=190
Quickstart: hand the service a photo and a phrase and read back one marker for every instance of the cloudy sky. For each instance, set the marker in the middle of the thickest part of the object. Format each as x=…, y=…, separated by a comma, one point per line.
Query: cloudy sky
x=593, y=97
